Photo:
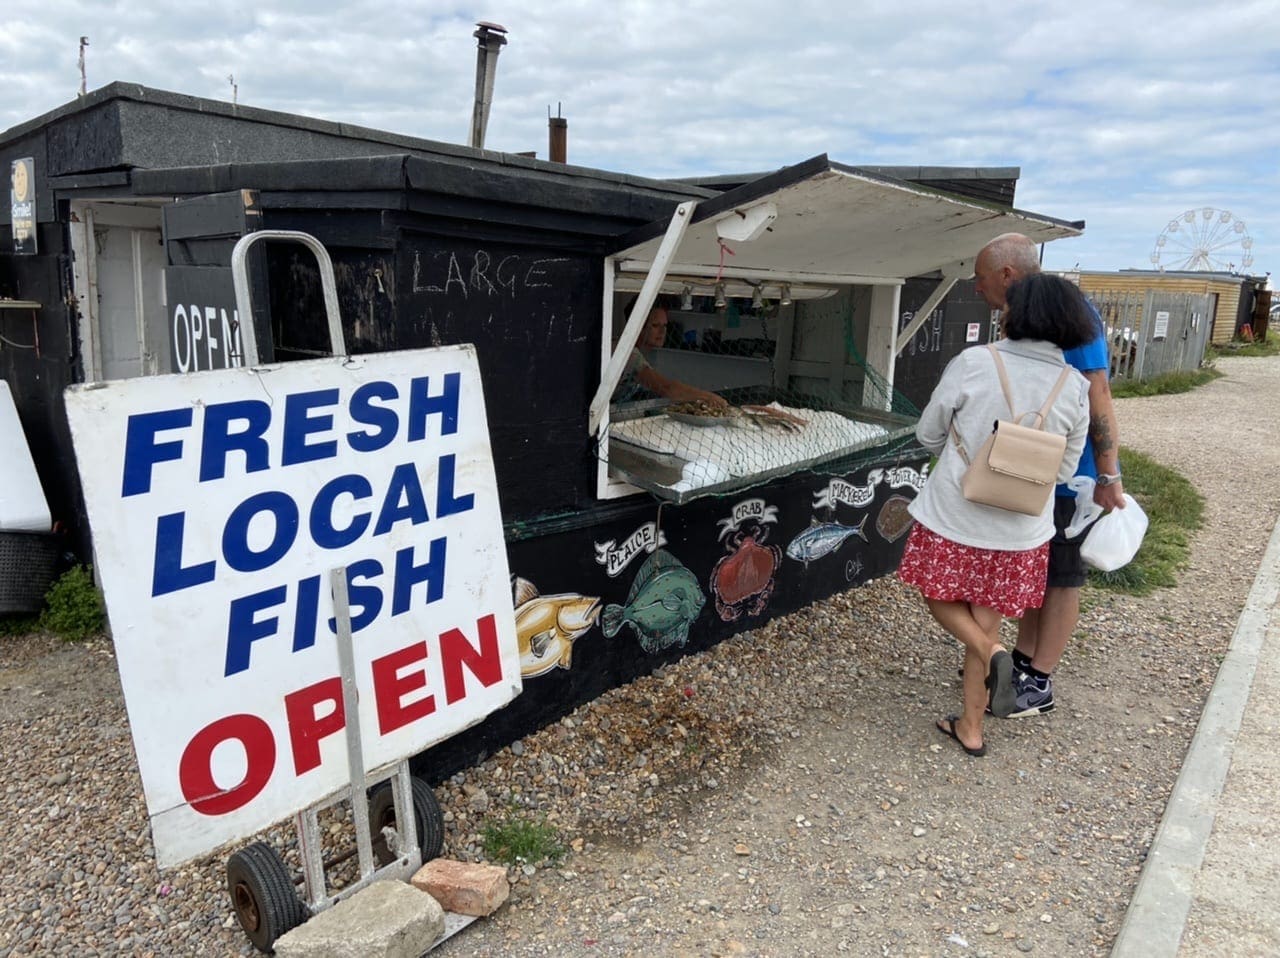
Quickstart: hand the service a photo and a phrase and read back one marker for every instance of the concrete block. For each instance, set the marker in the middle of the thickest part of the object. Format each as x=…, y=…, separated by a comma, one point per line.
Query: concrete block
x=388, y=919
x=463, y=887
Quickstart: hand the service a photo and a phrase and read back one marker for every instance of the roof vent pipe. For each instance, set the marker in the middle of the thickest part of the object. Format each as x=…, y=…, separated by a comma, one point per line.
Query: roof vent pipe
x=557, y=136
x=489, y=42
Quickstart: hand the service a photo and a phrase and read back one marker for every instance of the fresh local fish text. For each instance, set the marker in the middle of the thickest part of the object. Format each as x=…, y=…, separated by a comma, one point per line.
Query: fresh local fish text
x=235, y=440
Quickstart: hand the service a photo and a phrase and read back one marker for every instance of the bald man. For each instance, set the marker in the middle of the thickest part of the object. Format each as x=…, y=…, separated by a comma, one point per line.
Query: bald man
x=1043, y=633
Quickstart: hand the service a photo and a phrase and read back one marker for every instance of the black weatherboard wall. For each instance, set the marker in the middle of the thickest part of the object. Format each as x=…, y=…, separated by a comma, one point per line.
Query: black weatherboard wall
x=942, y=337
x=416, y=267
x=533, y=316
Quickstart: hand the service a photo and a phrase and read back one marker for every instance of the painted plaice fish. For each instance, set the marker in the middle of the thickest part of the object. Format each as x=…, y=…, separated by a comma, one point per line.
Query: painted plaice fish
x=546, y=625
x=821, y=539
x=664, y=600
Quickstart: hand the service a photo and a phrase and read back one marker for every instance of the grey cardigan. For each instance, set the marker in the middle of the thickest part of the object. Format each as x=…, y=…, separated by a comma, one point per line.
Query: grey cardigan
x=970, y=392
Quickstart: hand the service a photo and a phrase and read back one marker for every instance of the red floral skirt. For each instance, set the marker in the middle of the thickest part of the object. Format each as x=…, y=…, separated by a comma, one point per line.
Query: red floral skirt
x=1008, y=581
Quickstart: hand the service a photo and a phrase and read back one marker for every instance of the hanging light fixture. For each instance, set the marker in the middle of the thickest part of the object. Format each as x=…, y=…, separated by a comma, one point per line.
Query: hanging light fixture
x=721, y=302
x=686, y=298
x=757, y=298
x=785, y=298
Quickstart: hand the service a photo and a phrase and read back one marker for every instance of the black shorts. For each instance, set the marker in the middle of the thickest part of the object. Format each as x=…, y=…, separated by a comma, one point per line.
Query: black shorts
x=1066, y=569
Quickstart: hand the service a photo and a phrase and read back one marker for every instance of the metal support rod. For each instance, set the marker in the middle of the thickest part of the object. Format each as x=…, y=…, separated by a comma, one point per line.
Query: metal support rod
x=311, y=852
x=351, y=711
x=406, y=826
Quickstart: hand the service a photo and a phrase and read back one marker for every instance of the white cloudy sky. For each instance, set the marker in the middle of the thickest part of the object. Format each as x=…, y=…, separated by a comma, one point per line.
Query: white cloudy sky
x=1119, y=113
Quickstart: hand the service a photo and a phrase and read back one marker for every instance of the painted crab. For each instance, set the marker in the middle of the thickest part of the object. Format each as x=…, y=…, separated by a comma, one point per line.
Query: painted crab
x=742, y=581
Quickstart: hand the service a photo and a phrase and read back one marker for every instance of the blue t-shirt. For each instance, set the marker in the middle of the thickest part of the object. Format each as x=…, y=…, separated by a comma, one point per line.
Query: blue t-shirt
x=1088, y=358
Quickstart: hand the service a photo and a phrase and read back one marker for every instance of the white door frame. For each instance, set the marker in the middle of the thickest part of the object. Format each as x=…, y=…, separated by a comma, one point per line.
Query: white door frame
x=87, y=216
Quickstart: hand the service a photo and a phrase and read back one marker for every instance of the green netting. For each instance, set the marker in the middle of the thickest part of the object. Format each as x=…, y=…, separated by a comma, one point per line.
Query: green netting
x=800, y=394
x=896, y=401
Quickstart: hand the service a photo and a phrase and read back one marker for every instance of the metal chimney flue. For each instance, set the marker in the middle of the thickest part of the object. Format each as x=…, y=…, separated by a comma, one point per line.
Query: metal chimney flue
x=557, y=136
x=490, y=38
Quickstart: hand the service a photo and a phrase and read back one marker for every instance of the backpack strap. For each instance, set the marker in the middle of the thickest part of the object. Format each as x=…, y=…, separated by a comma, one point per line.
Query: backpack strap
x=1008, y=395
x=1004, y=379
x=1053, y=395
x=955, y=437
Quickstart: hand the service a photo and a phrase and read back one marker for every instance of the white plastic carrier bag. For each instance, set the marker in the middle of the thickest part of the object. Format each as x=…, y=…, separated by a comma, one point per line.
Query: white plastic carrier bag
x=1114, y=539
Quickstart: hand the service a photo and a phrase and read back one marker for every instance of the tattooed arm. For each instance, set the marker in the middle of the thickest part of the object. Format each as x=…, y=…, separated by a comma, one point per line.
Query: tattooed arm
x=1105, y=433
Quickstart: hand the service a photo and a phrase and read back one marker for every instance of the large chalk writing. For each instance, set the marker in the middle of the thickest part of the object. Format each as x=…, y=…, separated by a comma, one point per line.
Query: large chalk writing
x=928, y=338
x=479, y=273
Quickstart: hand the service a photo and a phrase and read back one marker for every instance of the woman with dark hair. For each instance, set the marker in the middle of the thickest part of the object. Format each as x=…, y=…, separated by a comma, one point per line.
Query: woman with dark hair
x=1047, y=307
x=973, y=563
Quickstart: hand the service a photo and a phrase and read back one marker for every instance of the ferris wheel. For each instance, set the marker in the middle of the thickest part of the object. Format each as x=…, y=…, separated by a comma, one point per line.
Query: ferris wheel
x=1206, y=239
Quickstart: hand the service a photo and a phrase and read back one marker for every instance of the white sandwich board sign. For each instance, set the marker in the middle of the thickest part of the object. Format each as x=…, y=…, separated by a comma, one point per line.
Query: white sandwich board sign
x=220, y=502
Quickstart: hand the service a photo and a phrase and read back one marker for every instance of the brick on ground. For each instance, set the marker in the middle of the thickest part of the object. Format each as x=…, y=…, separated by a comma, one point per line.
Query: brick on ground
x=388, y=919
x=465, y=888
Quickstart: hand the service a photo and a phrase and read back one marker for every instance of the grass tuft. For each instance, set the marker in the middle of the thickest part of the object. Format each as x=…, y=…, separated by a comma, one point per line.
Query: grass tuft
x=518, y=841
x=1174, y=511
x=1181, y=381
x=1240, y=348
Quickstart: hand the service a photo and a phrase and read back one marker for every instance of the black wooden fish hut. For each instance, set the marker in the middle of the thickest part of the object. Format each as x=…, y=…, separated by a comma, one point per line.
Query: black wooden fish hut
x=806, y=295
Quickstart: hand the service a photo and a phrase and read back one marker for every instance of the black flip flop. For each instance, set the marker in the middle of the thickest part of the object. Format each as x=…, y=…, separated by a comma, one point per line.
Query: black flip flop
x=950, y=731
x=1002, y=698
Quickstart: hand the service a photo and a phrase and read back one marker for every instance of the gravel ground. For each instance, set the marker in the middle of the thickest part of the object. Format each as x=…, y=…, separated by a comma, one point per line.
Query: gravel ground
x=782, y=794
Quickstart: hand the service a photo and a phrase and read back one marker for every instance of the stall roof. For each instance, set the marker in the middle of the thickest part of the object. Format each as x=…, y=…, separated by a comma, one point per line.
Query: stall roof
x=995, y=184
x=841, y=221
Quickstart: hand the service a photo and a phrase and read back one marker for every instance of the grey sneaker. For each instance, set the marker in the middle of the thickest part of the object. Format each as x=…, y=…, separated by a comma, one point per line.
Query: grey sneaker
x=1030, y=698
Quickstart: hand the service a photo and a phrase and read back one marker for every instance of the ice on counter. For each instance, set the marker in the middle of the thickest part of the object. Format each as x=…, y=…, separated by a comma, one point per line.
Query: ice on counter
x=740, y=448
